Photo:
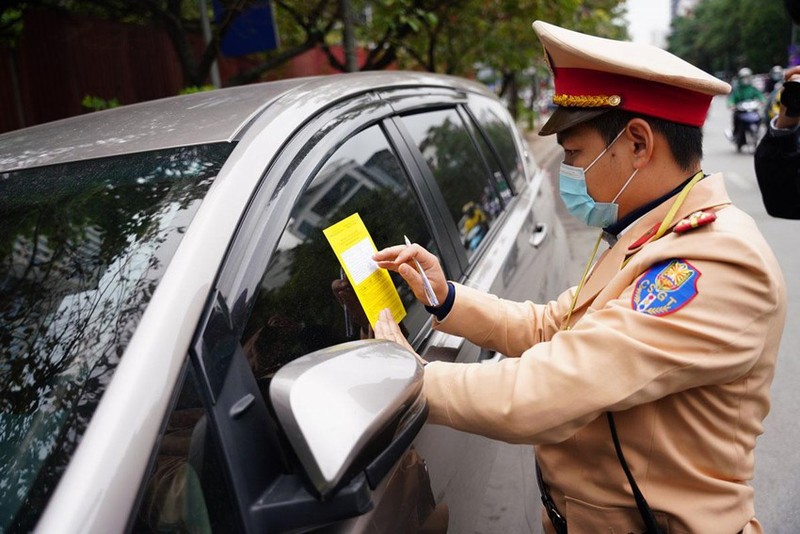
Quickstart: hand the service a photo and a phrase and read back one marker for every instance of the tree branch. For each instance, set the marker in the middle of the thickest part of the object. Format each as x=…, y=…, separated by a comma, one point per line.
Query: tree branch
x=255, y=73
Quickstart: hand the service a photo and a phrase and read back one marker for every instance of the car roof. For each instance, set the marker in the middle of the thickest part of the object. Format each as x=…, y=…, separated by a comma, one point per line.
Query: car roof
x=207, y=117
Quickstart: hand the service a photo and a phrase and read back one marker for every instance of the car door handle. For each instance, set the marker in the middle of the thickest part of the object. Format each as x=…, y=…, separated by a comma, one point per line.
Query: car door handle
x=442, y=347
x=489, y=356
x=440, y=354
x=539, y=234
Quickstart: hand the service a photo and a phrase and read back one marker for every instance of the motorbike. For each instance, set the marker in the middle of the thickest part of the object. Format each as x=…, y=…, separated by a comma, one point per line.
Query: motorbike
x=747, y=124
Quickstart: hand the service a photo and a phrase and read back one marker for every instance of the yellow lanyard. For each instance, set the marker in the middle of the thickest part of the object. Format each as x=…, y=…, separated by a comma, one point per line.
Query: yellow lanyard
x=662, y=229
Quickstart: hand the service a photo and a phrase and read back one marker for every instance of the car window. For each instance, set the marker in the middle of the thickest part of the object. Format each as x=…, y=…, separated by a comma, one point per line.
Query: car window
x=186, y=490
x=83, y=247
x=467, y=185
x=302, y=304
x=498, y=174
x=498, y=127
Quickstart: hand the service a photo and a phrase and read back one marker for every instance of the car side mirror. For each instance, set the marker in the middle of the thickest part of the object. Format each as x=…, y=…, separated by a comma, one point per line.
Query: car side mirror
x=351, y=407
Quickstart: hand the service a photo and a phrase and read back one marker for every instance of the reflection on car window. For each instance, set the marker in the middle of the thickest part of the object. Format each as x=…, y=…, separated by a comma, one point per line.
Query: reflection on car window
x=466, y=184
x=303, y=304
x=82, y=250
x=498, y=174
x=186, y=489
x=496, y=124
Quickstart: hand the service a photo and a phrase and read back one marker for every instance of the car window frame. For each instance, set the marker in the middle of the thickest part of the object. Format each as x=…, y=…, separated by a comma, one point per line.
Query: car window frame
x=465, y=262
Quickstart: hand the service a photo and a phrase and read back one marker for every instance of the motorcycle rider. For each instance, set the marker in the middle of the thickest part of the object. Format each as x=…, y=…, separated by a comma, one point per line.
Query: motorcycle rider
x=772, y=88
x=743, y=90
x=774, y=81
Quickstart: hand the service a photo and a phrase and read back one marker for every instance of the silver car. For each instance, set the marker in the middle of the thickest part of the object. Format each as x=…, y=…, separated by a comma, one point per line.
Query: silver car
x=180, y=349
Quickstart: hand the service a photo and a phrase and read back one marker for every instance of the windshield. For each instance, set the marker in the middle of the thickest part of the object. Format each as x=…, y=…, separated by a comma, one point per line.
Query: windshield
x=82, y=248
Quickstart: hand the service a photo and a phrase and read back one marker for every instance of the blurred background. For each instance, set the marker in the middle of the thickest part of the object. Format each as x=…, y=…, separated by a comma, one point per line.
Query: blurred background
x=60, y=58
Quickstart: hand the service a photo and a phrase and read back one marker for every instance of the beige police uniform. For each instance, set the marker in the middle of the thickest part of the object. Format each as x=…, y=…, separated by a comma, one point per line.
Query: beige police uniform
x=676, y=334
x=688, y=380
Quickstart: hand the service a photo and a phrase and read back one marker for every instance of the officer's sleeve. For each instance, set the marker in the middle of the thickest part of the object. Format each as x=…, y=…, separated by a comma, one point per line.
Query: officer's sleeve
x=616, y=357
x=777, y=162
x=502, y=325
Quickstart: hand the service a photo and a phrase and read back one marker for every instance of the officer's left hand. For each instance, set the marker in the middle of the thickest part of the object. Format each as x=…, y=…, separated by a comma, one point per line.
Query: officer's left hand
x=387, y=328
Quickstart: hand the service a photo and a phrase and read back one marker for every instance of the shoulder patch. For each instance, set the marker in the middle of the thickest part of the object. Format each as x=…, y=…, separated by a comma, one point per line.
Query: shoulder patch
x=695, y=220
x=665, y=288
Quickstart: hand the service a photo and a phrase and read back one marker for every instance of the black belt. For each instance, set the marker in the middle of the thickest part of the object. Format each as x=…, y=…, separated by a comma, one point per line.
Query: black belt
x=559, y=521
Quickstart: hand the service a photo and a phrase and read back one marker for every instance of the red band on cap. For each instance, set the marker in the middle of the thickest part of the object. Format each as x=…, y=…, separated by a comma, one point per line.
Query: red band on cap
x=656, y=99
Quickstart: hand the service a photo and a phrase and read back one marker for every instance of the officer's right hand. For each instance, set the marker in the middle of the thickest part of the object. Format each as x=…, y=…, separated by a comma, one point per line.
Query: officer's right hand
x=400, y=258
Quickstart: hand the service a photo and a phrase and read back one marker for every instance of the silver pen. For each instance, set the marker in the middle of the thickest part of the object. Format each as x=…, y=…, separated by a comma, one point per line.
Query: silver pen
x=426, y=284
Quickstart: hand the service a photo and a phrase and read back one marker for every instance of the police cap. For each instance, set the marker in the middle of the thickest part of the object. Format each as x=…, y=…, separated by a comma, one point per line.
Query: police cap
x=593, y=75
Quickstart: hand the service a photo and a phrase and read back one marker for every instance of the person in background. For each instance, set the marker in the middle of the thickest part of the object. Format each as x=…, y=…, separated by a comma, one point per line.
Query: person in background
x=774, y=80
x=743, y=90
x=644, y=388
x=772, y=88
x=777, y=158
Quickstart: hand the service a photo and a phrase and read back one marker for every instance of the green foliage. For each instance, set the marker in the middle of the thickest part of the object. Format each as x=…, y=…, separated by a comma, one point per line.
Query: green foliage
x=455, y=36
x=196, y=89
x=10, y=25
x=95, y=103
x=721, y=36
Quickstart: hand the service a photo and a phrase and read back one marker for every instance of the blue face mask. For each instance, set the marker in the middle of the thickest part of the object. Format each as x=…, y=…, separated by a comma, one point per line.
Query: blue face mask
x=580, y=204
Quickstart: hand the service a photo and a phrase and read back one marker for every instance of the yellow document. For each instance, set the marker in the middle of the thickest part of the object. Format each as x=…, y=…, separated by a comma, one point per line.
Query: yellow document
x=374, y=288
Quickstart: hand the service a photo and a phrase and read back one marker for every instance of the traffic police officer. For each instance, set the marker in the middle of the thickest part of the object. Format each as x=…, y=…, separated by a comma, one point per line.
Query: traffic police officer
x=644, y=387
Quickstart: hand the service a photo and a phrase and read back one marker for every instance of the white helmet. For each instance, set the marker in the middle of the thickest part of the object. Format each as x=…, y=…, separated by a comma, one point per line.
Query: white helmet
x=744, y=71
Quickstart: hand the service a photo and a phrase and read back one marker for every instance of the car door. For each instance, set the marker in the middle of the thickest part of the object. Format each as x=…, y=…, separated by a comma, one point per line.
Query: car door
x=479, y=173
x=365, y=161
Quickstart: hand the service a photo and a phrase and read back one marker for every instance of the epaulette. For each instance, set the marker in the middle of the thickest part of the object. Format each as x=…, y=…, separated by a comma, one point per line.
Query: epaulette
x=645, y=237
x=695, y=220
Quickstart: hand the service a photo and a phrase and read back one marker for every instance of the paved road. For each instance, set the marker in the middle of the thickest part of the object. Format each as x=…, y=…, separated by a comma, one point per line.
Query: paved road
x=777, y=481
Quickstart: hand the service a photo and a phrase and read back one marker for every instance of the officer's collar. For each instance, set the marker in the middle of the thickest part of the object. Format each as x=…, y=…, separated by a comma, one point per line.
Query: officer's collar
x=611, y=233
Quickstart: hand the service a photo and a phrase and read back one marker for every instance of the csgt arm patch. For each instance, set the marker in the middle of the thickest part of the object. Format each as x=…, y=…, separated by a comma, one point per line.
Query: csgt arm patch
x=665, y=288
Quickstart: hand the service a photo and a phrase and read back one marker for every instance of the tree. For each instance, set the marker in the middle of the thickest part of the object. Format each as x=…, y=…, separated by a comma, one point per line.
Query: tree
x=459, y=37
x=454, y=37
x=724, y=35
